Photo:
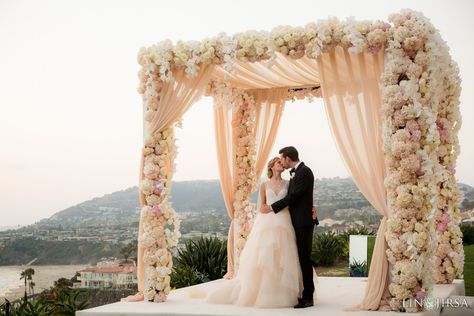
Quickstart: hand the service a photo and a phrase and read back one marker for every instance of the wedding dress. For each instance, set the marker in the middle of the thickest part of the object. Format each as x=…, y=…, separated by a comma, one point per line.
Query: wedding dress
x=269, y=273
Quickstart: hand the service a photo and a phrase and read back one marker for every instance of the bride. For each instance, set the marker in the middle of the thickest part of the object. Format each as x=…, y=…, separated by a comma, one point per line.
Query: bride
x=269, y=274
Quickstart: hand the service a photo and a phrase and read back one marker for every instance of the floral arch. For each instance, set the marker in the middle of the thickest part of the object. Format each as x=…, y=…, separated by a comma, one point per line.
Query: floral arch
x=391, y=91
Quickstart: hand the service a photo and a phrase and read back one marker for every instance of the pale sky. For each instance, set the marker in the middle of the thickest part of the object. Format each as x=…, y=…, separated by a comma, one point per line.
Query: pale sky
x=71, y=119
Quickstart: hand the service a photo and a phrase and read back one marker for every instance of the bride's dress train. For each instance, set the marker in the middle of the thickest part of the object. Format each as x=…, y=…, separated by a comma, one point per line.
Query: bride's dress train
x=269, y=273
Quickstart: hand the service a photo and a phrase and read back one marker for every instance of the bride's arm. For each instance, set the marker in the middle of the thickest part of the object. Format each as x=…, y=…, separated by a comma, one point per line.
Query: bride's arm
x=263, y=196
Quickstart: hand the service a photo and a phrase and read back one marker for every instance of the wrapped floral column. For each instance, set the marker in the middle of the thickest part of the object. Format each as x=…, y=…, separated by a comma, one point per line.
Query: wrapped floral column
x=160, y=222
x=243, y=125
x=413, y=85
x=449, y=259
x=242, y=167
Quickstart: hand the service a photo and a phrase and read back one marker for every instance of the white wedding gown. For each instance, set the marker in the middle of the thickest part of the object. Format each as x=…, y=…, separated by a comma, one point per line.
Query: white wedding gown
x=269, y=273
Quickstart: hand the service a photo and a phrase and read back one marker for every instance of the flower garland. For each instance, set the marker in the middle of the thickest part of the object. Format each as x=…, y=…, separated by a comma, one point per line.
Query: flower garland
x=420, y=104
x=160, y=222
x=303, y=93
x=253, y=46
x=412, y=87
x=243, y=127
x=449, y=258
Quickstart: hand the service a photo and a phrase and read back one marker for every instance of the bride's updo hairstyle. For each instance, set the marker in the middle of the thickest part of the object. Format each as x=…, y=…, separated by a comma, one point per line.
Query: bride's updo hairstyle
x=270, y=165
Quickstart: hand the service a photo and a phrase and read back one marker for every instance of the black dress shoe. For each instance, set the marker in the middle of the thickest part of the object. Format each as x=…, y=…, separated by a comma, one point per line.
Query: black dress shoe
x=302, y=303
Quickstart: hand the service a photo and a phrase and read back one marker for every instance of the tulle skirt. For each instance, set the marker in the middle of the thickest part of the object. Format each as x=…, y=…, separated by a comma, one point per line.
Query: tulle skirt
x=269, y=272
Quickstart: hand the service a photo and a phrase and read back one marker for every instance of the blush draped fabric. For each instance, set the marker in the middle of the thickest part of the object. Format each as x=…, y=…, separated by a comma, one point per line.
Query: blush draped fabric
x=350, y=87
x=351, y=93
x=269, y=107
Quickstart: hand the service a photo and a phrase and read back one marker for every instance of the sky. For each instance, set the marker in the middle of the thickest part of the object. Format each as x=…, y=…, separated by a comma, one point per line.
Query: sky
x=71, y=118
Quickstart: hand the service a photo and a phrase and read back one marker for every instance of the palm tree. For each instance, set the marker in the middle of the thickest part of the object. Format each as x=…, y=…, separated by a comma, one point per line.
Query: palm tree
x=27, y=276
x=32, y=288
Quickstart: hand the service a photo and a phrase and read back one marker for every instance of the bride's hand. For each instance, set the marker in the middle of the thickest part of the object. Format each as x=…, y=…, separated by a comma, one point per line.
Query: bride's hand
x=265, y=209
x=315, y=212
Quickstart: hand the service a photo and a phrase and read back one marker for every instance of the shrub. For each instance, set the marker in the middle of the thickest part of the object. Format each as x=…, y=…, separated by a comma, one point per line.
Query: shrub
x=358, y=269
x=200, y=261
x=467, y=234
x=184, y=275
x=327, y=248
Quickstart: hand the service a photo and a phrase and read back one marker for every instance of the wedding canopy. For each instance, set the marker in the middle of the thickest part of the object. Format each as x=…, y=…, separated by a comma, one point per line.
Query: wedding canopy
x=391, y=93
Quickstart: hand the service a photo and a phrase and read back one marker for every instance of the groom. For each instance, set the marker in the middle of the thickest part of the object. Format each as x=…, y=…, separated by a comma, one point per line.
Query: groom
x=300, y=202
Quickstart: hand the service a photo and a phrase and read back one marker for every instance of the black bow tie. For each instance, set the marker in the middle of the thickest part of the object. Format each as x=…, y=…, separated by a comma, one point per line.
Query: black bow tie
x=293, y=170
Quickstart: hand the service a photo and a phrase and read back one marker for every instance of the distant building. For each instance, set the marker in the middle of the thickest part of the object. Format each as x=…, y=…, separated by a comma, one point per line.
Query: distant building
x=110, y=275
x=467, y=217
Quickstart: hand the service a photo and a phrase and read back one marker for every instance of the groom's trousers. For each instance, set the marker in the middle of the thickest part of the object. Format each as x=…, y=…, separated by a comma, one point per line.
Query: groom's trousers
x=304, y=241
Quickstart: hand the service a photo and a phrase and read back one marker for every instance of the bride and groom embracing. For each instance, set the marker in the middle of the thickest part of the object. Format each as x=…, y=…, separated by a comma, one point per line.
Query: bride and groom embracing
x=275, y=266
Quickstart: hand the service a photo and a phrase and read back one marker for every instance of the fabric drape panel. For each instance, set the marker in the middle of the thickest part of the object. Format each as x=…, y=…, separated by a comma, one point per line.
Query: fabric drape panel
x=270, y=104
x=351, y=93
x=225, y=162
x=283, y=72
x=176, y=98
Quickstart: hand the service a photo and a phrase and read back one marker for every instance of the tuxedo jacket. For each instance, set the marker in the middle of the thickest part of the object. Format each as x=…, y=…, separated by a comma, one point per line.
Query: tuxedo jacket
x=299, y=198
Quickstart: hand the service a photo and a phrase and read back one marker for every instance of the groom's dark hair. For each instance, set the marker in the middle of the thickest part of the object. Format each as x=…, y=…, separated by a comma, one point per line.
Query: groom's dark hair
x=290, y=152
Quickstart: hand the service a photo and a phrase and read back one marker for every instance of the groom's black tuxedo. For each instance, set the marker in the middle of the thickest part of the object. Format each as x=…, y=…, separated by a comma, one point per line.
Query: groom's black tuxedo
x=300, y=203
x=299, y=198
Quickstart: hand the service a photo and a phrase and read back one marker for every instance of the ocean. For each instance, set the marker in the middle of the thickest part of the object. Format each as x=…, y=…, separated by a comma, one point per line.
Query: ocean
x=10, y=278
x=12, y=287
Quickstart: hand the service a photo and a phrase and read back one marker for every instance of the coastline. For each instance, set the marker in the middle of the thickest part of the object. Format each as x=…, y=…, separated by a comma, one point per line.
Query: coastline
x=44, y=278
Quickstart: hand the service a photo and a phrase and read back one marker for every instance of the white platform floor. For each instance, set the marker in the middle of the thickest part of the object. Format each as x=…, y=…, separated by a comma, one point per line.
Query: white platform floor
x=334, y=296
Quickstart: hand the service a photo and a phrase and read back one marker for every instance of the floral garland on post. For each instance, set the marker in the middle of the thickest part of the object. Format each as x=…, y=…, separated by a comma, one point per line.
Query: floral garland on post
x=303, y=93
x=243, y=127
x=449, y=258
x=420, y=125
x=160, y=221
x=252, y=46
x=413, y=85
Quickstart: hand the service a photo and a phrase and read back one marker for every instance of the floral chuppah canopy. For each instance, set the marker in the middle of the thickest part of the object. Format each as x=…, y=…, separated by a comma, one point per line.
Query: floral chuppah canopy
x=391, y=92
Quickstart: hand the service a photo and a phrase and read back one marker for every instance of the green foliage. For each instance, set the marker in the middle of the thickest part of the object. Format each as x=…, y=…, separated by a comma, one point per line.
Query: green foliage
x=327, y=248
x=67, y=304
x=59, y=302
x=129, y=250
x=20, y=308
x=201, y=260
x=467, y=234
x=358, y=269
x=370, y=250
x=469, y=269
x=63, y=283
x=184, y=275
x=56, y=252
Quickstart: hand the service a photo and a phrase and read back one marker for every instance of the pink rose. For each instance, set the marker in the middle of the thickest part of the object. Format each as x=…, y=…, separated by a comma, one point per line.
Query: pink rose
x=157, y=210
x=420, y=295
x=444, y=218
x=443, y=135
x=158, y=187
x=441, y=226
x=420, y=173
x=415, y=136
x=374, y=48
x=451, y=170
x=158, y=298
